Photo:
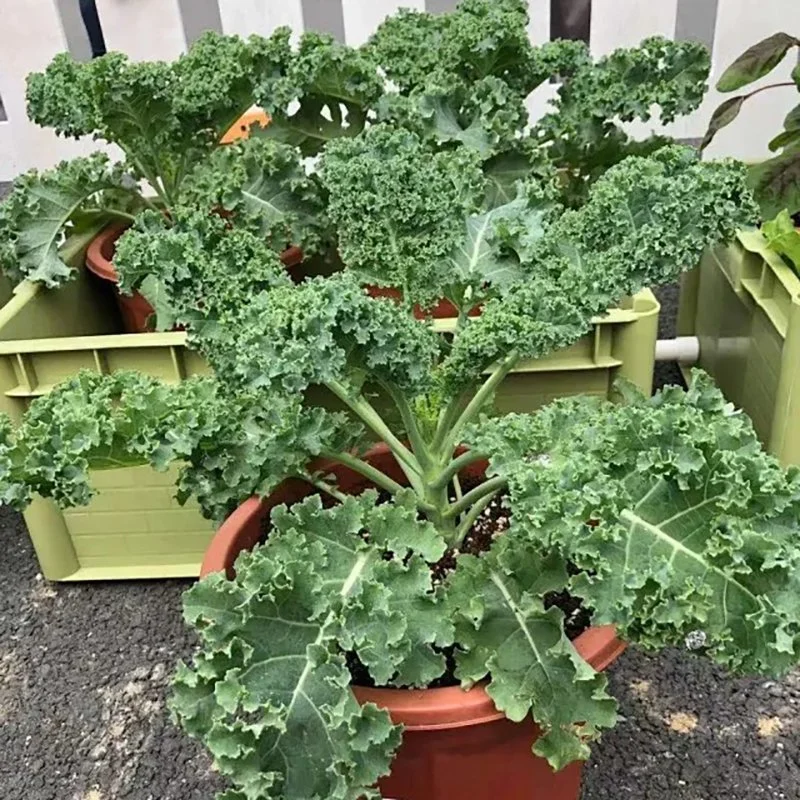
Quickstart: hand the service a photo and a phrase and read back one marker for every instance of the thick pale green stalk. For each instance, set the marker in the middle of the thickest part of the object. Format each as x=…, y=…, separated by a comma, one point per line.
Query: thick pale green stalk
x=363, y=468
x=325, y=487
x=370, y=417
x=447, y=418
x=115, y=212
x=418, y=445
x=450, y=472
x=480, y=399
x=487, y=488
x=468, y=520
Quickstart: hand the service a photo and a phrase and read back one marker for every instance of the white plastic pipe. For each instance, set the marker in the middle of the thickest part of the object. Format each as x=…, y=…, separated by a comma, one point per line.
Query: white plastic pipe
x=684, y=349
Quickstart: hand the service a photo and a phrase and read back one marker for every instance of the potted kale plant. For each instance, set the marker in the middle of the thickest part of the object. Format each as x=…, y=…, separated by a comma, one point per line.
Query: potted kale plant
x=164, y=121
x=417, y=593
x=416, y=599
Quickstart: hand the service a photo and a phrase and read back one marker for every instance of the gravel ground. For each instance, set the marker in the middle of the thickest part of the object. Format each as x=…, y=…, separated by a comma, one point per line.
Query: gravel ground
x=84, y=673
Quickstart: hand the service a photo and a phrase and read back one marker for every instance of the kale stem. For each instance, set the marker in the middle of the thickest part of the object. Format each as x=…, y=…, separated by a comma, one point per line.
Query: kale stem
x=450, y=472
x=367, y=470
x=487, y=488
x=480, y=398
x=362, y=408
x=418, y=444
x=469, y=518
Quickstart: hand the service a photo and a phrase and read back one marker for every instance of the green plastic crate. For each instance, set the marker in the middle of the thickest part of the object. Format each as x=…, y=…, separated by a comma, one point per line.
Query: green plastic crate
x=744, y=307
x=134, y=528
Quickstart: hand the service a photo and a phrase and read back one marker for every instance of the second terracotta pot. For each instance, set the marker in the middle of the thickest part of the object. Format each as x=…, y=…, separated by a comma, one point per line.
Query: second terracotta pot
x=135, y=310
x=456, y=744
x=444, y=309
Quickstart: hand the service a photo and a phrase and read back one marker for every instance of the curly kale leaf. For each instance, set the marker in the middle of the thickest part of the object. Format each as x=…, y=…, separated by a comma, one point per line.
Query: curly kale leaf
x=94, y=421
x=504, y=630
x=645, y=221
x=323, y=331
x=481, y=38
x=485, y=261
x=522, y=161
x=581, y=133
x=408, y=46
x=486, y=117
x=201, y=267
x=217, y=79
x=333, y=86
x=229, y=446
x=630, y=81
x=412, y=218
x=165, y=117
x=400, y=617
x=685, y=529
x=60, y=98
x=262, y=183
x=398, y=207
x=268, y=691
x=45, y=208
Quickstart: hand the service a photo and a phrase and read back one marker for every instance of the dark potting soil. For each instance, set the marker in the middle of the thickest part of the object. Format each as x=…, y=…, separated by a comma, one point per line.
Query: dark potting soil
x=494, y=520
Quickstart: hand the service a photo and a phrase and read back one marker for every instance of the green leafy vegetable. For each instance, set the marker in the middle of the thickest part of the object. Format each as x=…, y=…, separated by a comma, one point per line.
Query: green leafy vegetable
x=681, y=524
x=263, y=185
x=481, y=38
x=398, y=206
x=334, y=86
x=663, y=515
x=43, y=208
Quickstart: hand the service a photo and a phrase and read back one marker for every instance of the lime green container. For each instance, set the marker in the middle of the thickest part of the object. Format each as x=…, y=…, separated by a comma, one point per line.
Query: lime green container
x=134, y=528
x=743, y=303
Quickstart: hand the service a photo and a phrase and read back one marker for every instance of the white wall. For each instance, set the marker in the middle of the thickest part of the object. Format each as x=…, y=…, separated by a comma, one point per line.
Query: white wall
x=157, y=29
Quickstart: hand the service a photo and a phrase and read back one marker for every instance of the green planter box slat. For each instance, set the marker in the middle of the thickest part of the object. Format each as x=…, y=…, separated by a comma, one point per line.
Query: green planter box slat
x=744, y=307
x=134, y=528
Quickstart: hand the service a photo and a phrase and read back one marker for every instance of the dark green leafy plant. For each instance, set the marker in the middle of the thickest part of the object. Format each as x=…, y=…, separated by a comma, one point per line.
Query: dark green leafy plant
x=679, y=525
x=774, y=181
x=167, y=120
x=663, y=514
x=457, y=81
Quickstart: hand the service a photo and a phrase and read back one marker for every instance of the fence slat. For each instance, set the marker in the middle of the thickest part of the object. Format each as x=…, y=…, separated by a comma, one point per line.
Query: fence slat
x=361, y=17
x=29, y=38
x=539, y=32
x=144, y=30
x=624, y=23
x=741, y=23
x=244, y=17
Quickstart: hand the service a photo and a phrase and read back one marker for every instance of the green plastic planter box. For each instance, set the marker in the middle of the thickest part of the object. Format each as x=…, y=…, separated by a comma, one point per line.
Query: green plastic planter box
x=134, y=528
x=744, y=307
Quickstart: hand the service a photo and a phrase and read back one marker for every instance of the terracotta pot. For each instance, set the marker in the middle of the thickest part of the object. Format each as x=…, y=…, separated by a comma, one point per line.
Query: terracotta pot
x=456, y=744
x=134, y=308
x=444, y=309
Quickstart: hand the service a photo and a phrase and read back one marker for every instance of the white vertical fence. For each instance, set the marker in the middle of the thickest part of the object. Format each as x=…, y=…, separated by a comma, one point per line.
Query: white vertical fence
x=33, y=31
